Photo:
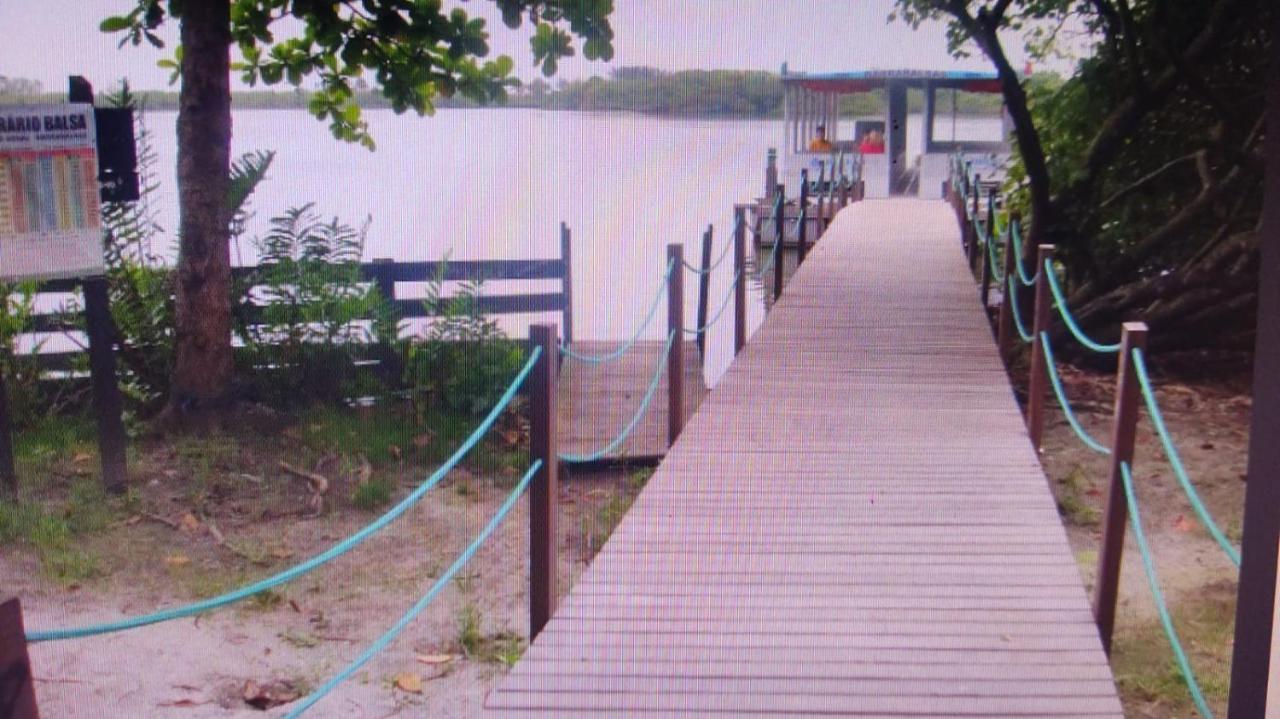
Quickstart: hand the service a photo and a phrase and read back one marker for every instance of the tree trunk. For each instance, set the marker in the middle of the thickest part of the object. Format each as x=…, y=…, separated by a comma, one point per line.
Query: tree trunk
x=203, y=363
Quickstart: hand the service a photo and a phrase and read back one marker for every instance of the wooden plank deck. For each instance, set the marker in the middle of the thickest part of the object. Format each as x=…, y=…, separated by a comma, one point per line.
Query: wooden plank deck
x=853, y=524
x=596, y=401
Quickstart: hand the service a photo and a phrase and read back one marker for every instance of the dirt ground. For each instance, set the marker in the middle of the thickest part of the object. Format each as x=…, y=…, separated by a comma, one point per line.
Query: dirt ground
x=1206, y=404
x=166, y=544
x=165, y=547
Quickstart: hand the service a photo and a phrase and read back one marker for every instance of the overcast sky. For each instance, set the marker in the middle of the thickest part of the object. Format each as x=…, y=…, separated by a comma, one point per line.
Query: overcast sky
x=48, y=40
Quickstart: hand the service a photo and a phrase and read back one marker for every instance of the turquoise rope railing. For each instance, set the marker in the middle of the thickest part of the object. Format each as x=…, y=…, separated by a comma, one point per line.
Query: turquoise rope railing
x=615, y=354
x=777, y=244
x=383, y=641
x=1175, y=461
x=635, y=419
x=1153, y=580
x=1015, y=232
x=724, y=304
x=1052, y=369
x=1060, y=301
x=723, y=254
x=332, y=553
x=1017, y=313
x=996, y=271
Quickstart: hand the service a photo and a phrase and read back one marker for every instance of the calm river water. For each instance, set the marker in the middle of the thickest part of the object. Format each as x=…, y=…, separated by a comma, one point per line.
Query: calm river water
x=496, y=183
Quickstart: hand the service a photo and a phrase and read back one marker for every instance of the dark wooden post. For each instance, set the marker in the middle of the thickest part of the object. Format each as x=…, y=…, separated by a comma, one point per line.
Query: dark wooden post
x=704, y=288
x=740, y=280
x=802, y=218
x=17, y=686
x=383, y=273
x=844, y=192
x=384, y=277
x=566, y=284
x=985, y=275
x=544, y=488
x=821, y=225
x=781, y=222
x=675, y=360
x=971, y=247
x=1038, y=378
x=1255, y=637
x=107, y=403
x=1005, y=330
x=8, y=475
x=1124, y=427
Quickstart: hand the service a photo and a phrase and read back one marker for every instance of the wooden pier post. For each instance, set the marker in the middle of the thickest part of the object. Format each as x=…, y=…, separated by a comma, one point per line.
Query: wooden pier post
x=17, y=685
x=8, y=475
x=566, y=281
x=1038, y=378
x=820, y=226
x=984, y=277
x=704, y=289
x=802, y=219
x=544, y=488
x=107, y=403
x=1124, y=428
x=675, y=359
x=971, y=226
x=1005, y=330
x=740, y=279
x=781, y=221
x=844, y=191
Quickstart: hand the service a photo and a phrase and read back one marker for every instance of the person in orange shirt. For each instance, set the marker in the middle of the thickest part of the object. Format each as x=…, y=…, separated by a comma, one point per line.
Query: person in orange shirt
x=820, y=143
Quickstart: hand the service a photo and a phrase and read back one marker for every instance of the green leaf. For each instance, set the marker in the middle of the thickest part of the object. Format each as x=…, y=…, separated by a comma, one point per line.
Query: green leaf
x=115, y=23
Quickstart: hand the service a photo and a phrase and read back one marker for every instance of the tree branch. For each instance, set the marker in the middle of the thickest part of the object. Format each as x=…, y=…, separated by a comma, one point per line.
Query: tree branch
x=1146, y=179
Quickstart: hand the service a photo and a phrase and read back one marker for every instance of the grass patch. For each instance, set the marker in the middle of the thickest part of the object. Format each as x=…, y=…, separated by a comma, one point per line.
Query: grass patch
x=500, y=648
x=1148, y=676
x=371, y=495
x=597, y=529
x=54, y=532
x=383, y=434
x=1072, y=504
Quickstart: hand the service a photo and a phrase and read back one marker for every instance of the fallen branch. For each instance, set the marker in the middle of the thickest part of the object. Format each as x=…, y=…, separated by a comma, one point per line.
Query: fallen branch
x=318, y=482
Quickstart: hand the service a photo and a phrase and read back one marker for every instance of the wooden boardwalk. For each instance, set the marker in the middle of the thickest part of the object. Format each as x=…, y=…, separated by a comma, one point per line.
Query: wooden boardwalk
x=596, y=401
x=853, y=524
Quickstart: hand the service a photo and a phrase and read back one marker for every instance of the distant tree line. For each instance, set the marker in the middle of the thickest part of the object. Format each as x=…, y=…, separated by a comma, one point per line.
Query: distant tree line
x=646, y=90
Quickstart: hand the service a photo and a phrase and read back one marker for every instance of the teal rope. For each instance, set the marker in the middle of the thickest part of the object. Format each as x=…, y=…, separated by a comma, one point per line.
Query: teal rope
x=1012, y=299
x=1175, y=461
x=1061, y=301
x=1153, y=580
x=723, y=254
x=653, y=310
x=777, y=244
x=996, y=271
x=635, y=419
x=1015, y=231
x=723, y=304
x=1056, y=381
x=440, y=583
x=333, y=552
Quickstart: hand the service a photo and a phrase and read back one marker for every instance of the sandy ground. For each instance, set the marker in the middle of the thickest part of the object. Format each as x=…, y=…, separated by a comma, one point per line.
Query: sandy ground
x=199, y=667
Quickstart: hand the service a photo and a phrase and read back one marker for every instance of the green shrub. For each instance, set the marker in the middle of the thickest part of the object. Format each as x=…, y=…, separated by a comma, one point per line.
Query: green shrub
x=372, y=494
x=463, y=361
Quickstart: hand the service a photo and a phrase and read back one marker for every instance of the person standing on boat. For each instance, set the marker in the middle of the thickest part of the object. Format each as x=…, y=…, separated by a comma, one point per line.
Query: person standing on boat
x=820, y=143
x=872, y=143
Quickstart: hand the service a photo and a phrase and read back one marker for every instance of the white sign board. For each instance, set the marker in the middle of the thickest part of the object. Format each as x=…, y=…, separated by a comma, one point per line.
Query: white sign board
x=50, y=218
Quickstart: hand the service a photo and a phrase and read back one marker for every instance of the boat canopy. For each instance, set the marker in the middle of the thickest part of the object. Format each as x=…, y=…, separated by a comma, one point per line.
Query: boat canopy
x=812, y=103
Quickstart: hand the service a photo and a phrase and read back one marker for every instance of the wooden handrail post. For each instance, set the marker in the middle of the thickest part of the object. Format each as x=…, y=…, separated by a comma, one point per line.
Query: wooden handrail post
x=1038, y=378
x=781, y=221
x=675, y=359
x=971, y=226
x=802, y=218
x=544, y=488
x=566, y=282
x=740, y=281
x=704, y=289
x=1124, y=428
x=1004, y=325
x=107, y=403
x=17, y=685
x=8, y=475
x=985, y=275
x=844, y=191
x=821, y=225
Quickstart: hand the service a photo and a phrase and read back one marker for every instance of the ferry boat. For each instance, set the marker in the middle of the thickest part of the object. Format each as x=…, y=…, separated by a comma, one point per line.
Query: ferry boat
x=875, y=149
